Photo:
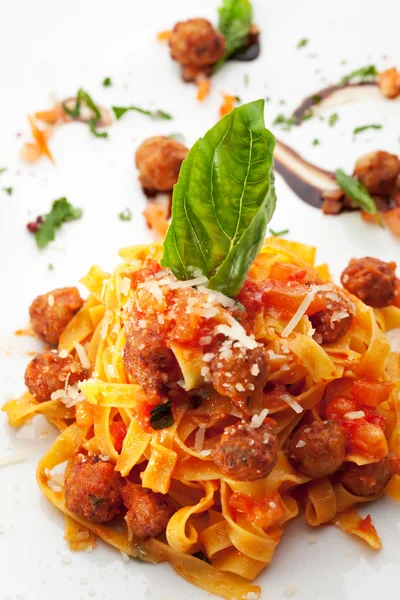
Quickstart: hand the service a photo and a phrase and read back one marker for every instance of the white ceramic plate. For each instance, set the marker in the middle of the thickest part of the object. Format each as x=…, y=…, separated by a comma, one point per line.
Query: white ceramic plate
x=53, y=47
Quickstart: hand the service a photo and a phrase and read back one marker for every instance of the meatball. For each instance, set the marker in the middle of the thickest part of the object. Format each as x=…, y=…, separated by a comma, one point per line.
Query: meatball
x=93, y=489
x=371, y=280
x=159, y=161
x=334, y=321
x=246, y=453
x=238, y=372
x=149, y=361
x=389, y=83
x=51, y=313
x=148, y=512
x=48, y=372
x=318, y=450
x=378, y=172
x=196, y=42
x=367, y=480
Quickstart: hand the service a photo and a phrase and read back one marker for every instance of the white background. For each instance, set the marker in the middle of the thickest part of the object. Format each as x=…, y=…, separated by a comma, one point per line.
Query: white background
x=49, y=47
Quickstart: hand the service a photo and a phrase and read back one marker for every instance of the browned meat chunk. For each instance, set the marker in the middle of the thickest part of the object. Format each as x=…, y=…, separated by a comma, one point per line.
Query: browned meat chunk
x=367, y=480
x=246, y=453
x=318, y=450
x=51, y=313
x=237, y=371
x=371, y=280
x=159, y=161
x=378, y=171
x=148, y=512
x=93, y=489
x=48, y=372
x=196, y=42
x=333, y=322
x=389, y=83
x=149, y=361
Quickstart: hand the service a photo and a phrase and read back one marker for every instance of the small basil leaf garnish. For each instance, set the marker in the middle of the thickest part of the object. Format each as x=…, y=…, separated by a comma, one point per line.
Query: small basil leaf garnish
x=357, y=192
x=161, y=416
x=235, y=18
x=223, y=201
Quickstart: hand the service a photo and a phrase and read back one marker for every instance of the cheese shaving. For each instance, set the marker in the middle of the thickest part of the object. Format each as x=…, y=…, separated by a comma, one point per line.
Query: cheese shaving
x=125, y=286
x=300, y=312
x=236, y=332
x=356, y=414
x=199, y=438
x=258, y=420
x=292, y=403
x=12, y=458
x=219, y=297
x=175, y=285
x=83, y=357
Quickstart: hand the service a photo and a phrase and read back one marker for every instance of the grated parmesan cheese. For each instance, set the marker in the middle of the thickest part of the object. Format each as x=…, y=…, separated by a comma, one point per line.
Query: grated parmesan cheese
x=199, y=438
x=205, y=452
x=356, y=414
x=63, y=353
x=175, y=285
x=236, y=332
x=290, y=591
x=125, y=557
x=292, y=403
x=125, y=286
x=300, y=312
x=300, y=444
x=258, y=420
x=83, y=357
x=255, y=370
x=50, y=300
x=12, y=458
x=218, y=297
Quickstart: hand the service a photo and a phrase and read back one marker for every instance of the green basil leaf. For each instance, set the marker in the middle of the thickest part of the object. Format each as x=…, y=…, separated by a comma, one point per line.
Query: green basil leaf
x=357, y=192
x=161, y=416
x=235, y=17
x=223, y=201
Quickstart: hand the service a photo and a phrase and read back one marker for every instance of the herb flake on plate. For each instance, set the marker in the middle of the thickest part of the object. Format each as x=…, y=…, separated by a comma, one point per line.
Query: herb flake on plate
x=8, y=190
x=125, y=215
x=3, y=169
x=61, y=212
x=333, y=119
x=83, y=96
x=223, y=201
x=119, y=111
x=278, y=233
x=365, y=127
x=286, y=123
x=363, y=74
x=302, y=43
x=107, y=82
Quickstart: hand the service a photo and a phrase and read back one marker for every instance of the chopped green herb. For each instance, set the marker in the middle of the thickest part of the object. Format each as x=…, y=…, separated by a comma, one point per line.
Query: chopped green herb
x=278, y=233
x=107, y=82
x=161, y=416
x=282, y=101
x=302, y=43
x=3, y=169
x=286, y=123
x=316, y=98
x=307, y=115
x=61, y=212
x=267, y=99
x=333, y=119
x=201, y=556
x=204, y=235
x=235, y=18
x=83, y=96
x=177, y=136
x=8, y=190
x=125, y=215
x=357, y=192
x=246, y=79
x=343, y=62
x=119, y=111
x=96, y=501
x=362, y=74
x=365, y=127
x=316, y=142
x=50, y=267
